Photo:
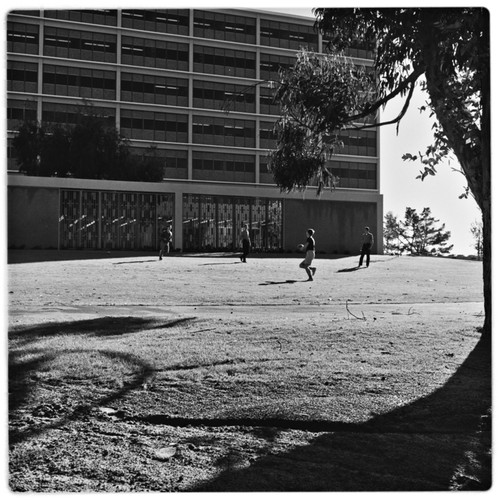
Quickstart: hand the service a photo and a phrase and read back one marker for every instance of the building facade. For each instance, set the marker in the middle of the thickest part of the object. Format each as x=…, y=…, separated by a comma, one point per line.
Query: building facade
x=189, y=83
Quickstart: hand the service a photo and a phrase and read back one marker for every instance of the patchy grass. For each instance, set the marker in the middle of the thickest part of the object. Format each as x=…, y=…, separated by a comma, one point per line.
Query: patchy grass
x=95, y=395
x=296, y=396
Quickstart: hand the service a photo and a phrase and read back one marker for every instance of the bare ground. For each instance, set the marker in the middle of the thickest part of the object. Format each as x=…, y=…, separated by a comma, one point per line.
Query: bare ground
x=202, y=373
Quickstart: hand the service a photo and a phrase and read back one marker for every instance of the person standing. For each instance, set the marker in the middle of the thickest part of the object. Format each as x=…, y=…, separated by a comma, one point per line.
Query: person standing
x=245, y=242
x=166, y=239
x=309, y=248
x=367, y=241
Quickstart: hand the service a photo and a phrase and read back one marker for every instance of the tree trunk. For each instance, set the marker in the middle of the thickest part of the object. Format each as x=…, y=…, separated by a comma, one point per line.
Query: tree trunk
x=486, y=207
x=475, y=159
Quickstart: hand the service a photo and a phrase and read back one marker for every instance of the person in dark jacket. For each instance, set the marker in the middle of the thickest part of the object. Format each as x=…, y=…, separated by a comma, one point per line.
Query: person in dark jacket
x=367, y=241
x=245, y=242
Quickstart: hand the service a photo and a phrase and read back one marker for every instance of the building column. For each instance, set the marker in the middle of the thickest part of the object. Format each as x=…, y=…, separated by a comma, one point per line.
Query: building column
x=178, y=220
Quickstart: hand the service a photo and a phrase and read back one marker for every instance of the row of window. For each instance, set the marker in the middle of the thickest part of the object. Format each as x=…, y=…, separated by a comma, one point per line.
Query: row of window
x=154, y=126
x=154, y=53
x=103, y=16
x=137, y=87
x=173, y=127
x=212, y=25
x=173, y=161
x=96, y=46
x=224, y=27
x=229, y=167
x=150, y=53
x=241, y=168
x=226, y=167
x=228, y=62
x=163, y=21
x=223, y=131
x=223, y=167
x=352, y=175
x=287, y=35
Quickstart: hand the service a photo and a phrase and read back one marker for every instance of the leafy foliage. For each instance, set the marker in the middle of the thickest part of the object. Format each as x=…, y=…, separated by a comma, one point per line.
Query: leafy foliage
x=417, y=234
x=90, y=149
x=390, y=234
x=27, y=145
x=307, y=133
x=447, y=46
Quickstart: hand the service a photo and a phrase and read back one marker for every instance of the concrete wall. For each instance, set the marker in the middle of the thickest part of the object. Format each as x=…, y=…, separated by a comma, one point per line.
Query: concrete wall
x=32, y=217
x=338, y=216
x=338, y=225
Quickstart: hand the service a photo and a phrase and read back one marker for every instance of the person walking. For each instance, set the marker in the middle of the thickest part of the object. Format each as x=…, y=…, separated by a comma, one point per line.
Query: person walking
x=166, y=238
x=367, y=241
x=309, y=248
x=245, y=242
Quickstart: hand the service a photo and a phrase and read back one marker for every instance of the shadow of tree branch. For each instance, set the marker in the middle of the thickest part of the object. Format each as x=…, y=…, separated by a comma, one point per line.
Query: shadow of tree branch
x=421, y=446
x=21, y=386
x=99, y=327
x=21, y=373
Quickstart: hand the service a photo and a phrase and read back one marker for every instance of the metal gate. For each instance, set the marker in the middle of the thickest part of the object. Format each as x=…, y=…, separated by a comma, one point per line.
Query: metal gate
x=112, y=219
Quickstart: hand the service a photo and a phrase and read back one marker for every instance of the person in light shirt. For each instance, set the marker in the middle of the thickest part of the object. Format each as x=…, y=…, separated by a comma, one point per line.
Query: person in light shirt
x=309, y=248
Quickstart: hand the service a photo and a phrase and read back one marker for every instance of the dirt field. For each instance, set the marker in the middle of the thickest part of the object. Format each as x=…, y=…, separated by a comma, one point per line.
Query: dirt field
x=201, y=373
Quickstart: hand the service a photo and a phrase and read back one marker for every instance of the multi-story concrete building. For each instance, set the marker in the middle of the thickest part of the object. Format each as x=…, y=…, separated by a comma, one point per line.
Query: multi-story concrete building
x=164, y=78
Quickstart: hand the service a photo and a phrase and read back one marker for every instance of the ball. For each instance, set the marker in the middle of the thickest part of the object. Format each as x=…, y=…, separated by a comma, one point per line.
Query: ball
x=300, y=247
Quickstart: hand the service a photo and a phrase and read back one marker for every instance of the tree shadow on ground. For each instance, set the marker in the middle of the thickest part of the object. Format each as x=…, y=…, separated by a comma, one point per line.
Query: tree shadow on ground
x=39, y=255
x=25, y=363
x=99, y=327
x=436, y=443
x=22, y=384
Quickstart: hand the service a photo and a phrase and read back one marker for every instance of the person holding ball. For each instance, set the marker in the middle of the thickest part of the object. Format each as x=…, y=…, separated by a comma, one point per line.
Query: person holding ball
x=309, y=248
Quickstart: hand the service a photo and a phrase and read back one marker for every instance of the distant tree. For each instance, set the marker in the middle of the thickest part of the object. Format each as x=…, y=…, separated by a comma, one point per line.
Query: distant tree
x=419, y=234
x=97, y=150
x=148, y=166
x=391, y=234
x=477, y=232
x=28, y=147
x=55, y=152
x=89, y=149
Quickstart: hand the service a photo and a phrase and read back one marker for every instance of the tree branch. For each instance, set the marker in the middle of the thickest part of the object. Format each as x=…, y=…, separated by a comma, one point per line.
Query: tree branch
x=408, y=83
x=394, y=120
